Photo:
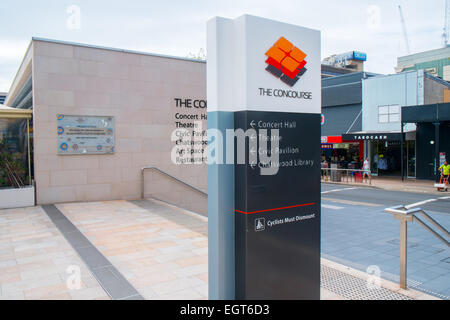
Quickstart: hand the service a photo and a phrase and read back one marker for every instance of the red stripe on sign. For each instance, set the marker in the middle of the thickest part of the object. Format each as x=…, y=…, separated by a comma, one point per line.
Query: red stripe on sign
x=277, y=209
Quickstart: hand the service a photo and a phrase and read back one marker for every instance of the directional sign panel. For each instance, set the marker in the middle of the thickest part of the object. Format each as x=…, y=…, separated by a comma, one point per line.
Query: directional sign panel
x=278, y=216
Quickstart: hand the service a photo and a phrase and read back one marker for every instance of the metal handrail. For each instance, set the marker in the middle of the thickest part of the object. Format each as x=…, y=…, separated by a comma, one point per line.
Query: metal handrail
x=348, y=171
x=340, y=169
x=168, y=175
x=435, y=223
x=406, y=215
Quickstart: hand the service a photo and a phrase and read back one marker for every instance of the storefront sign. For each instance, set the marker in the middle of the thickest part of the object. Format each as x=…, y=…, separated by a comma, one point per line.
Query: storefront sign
x=85, y=134
x=331, y=139
x=341, y=146
x=372, y=136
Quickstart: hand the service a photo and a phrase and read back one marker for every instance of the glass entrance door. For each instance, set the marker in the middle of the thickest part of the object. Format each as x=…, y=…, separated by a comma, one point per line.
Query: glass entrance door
x=375, y=148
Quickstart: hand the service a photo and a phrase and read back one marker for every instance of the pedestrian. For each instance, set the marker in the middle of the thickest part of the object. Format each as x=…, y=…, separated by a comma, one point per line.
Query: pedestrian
x=366, y=168
x=445, y=170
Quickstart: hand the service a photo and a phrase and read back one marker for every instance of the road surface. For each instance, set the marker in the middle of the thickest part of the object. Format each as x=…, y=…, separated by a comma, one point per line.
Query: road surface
x=357, y=232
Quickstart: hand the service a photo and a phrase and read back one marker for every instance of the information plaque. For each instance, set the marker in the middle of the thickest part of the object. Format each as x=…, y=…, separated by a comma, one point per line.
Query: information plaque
x=85, y=134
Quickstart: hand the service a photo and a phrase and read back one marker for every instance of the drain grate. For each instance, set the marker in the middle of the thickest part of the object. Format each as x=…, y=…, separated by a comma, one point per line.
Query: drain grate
x=354, y=288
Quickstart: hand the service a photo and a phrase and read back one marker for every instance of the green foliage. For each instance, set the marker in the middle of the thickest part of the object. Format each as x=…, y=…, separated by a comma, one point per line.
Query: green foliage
x=13, y=172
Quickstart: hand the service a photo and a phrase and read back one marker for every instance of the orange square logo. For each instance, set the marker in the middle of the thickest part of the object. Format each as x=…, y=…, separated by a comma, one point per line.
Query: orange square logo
x=286, y=61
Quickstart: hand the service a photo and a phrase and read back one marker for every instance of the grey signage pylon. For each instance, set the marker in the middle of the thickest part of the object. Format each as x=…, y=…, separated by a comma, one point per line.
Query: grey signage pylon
x=264, y=99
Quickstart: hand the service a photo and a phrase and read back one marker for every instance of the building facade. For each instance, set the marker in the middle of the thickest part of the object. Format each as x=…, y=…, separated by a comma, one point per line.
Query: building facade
x=432, y=137
x=342, y=113
x=434, y=62
x=145, y=96
x=3, y=97
x=353, y=60
x=382, y=132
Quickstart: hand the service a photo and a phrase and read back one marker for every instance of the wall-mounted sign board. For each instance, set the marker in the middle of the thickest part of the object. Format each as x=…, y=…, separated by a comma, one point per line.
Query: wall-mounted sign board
x=85, y=134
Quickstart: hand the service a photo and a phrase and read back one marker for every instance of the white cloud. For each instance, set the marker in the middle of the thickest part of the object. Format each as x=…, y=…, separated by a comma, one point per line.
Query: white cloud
x=12, y=50
x=4, y=84
x=11, y=54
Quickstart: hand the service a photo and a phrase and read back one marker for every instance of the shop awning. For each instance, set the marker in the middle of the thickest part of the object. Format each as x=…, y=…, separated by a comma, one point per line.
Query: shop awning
x=12, y=113
x=372, y=136
x=426, y=113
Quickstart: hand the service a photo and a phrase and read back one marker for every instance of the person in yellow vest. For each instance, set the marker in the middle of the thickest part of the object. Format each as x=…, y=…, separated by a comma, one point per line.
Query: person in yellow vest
x=445, y=170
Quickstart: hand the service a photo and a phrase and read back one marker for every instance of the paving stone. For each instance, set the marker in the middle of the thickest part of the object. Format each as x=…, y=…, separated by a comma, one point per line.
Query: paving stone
x=41, y=256
x=87, y=294
x=165, y=288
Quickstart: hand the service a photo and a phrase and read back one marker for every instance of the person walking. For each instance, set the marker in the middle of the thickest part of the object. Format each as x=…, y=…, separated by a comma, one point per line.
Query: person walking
x=366, y=168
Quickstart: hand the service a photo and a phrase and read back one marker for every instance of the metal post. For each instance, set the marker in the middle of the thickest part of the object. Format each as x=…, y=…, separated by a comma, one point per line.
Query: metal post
x=142, y=183
x=402, y=153
x=403, y=252
x=436, y=145
x=29, y=152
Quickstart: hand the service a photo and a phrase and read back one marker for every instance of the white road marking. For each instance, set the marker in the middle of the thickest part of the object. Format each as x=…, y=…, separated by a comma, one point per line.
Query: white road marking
x=353, y=203
x=338, y=190
x=444, y=198
x=328, y=206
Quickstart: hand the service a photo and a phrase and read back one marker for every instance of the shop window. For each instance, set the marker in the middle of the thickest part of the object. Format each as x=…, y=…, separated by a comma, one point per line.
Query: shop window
x=387, y=114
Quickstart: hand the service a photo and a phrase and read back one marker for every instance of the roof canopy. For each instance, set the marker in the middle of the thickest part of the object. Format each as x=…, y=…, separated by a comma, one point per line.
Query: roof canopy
x=12, y=113
x=426, y=113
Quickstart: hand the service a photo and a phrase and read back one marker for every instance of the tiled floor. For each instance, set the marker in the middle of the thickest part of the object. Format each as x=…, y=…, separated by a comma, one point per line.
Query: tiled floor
x=162, y=259
x=36, y=262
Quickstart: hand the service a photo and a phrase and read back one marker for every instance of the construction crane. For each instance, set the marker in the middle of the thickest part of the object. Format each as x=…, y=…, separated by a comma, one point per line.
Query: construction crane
x=445, y=34
x=405, y=33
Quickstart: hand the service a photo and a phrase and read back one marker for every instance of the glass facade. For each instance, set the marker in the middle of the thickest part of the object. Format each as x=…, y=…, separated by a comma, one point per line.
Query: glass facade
x=346, y=155
x=385, y=158
x=15, y=160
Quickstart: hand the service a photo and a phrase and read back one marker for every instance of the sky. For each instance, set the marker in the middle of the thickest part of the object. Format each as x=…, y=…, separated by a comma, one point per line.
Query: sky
x=178, y=27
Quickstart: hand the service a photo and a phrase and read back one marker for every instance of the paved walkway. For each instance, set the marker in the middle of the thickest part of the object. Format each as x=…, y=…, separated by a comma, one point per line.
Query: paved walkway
x=36, y=262
x=159, y=249
x=396, y=184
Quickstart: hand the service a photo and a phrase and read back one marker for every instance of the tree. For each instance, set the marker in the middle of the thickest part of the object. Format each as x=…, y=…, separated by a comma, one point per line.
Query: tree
x=201, y=55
